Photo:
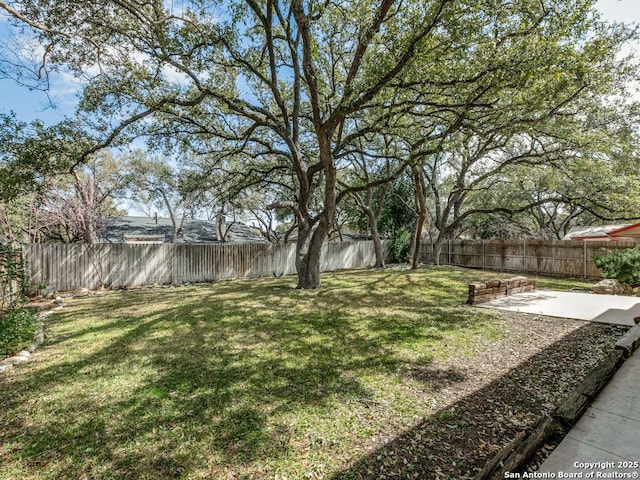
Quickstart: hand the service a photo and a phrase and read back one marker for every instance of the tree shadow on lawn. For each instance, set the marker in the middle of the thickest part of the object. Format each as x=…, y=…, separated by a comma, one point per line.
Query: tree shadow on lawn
x=422, y=288
x=216, y=388
x=184, y=389
x=141, y=433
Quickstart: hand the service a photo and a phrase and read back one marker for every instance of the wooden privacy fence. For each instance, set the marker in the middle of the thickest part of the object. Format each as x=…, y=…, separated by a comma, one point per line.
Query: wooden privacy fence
x=561, y=258
x=66, y=267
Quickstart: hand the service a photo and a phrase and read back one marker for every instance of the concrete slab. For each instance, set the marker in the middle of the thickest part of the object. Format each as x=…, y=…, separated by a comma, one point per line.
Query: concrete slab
x=614, y=309
x=633, y=363
x=620, y=402
x=627, y=380
x=571, y=454
x=608, y=432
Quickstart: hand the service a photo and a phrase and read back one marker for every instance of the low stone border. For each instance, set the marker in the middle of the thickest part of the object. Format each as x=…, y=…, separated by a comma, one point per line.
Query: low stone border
x=483, y=292
x=24, y=355
x=631, y=340
x=518, y=453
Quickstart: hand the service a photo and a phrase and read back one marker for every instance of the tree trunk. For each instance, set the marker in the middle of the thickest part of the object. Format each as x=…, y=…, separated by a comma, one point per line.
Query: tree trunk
x=85, y=212
x=91, y=237
x=419, y=184
x=437, y=249
x=375, y=237
x=308, y=255
x=222, y=227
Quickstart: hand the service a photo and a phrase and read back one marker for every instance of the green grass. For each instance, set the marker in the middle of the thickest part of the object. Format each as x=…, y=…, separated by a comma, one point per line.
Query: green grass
x=236, y=380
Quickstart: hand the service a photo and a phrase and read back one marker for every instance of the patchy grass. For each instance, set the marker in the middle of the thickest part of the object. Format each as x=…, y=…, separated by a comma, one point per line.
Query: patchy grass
x=546, y=283
x=242, y=379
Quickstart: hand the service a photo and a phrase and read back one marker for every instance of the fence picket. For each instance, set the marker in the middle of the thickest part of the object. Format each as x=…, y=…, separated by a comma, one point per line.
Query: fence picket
x=66, y=267
x=565, y=258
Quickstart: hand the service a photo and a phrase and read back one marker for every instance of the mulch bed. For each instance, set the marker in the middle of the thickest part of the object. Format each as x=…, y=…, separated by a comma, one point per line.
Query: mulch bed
x=491, y=396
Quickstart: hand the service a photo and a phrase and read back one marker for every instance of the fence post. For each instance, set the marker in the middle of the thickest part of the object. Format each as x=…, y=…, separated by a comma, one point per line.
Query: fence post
x=449, y=251
x=584, y=260
x=484, y=264
x=524, y=255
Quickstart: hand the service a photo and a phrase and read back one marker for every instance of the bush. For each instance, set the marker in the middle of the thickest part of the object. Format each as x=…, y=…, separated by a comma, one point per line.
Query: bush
x=399, y=246
x=17, y=329
x=623, y=265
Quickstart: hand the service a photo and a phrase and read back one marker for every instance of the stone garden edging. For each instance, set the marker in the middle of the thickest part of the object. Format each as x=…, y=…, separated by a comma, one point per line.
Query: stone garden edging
x=492, y=289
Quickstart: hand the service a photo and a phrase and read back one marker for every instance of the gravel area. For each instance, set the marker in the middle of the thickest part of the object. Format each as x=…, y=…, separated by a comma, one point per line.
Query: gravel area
x=488, y=397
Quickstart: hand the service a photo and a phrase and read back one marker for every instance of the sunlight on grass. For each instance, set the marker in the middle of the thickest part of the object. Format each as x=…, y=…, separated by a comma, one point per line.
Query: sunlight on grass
x=240, y=379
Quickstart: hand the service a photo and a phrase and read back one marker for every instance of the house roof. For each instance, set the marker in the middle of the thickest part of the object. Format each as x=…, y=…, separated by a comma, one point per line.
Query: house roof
x=603, y=231
x=627, y=231
x=193, y=231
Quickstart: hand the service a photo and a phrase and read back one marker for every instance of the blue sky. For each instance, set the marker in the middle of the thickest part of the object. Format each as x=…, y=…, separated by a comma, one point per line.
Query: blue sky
x=30, y=105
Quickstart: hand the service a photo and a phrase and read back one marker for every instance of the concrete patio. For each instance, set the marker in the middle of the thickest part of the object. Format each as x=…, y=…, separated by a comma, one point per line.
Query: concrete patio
x=614, y=309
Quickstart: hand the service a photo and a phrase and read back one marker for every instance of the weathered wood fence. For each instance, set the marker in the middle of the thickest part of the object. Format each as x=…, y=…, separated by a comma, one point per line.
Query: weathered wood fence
x=561, y=258
x=66, y=267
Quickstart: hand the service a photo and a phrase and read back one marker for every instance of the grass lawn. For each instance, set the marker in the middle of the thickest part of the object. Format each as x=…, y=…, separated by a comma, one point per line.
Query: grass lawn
x=249, y=378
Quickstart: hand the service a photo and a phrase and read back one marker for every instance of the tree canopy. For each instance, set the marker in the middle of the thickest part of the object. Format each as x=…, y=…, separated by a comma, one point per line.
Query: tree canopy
x=286, y=93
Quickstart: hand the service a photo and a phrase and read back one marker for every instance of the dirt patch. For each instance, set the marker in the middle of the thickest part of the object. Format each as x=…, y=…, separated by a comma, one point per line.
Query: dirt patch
x=490, y=396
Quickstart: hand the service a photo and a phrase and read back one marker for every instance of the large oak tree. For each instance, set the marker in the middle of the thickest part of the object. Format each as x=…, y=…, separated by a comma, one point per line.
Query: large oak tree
x=292, y=81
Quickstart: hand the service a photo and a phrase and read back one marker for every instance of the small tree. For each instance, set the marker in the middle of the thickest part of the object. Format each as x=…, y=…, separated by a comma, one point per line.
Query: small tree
x=153, y=181
x=11, y=275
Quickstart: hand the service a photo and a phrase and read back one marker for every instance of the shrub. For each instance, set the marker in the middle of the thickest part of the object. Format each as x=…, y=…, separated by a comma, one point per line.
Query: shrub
x=400, y=245
x=623, y=265
x=17, y=329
